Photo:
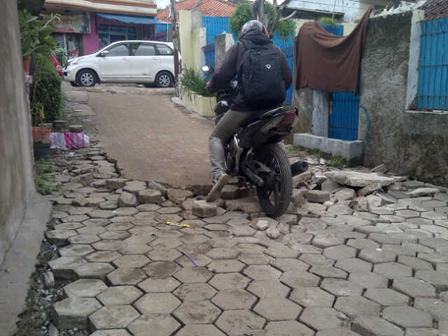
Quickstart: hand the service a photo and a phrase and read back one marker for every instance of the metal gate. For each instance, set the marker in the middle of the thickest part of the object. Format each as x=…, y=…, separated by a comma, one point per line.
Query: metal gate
x=343, y=119
x=289, y=53
x=344, y=112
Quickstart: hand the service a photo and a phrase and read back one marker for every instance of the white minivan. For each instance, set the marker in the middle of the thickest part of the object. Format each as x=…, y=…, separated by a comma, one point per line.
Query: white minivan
x=144, y=62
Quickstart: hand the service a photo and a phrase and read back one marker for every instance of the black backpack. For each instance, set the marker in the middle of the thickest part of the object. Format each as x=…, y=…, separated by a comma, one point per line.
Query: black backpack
x=260, y=78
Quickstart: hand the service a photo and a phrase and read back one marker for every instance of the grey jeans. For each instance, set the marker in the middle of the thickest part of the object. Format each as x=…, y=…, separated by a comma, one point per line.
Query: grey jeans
x=223, y=132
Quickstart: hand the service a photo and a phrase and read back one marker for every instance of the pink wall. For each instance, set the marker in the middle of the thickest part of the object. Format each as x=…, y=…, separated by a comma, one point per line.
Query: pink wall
x=91, y=41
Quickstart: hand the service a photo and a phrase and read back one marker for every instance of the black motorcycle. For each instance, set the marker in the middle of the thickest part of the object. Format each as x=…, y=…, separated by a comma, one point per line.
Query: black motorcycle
x=254, y=154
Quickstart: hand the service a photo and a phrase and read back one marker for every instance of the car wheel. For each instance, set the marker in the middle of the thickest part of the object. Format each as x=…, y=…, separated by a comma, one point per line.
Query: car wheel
x=164, y=79
x=74, y=84
x=86, y=78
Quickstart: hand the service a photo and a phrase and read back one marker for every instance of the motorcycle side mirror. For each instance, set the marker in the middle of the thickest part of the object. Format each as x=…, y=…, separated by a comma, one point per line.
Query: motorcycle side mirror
x=208, y=70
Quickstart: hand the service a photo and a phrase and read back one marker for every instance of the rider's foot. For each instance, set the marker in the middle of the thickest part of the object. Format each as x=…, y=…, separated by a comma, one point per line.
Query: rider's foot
x=219, y=182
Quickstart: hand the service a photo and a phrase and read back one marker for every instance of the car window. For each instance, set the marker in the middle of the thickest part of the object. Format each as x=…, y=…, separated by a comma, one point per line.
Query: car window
x=164, y=49
x=144, y=49
x=121, y=50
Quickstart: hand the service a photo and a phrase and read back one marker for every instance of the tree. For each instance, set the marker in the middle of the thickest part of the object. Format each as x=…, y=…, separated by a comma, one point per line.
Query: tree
x=269, y=14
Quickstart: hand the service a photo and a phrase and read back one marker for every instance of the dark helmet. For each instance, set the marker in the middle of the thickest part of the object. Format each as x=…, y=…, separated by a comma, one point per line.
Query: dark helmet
x=253, y=25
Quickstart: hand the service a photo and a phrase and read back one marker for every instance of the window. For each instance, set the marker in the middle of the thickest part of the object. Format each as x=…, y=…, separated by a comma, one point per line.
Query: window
x=144, y=50
x=121, y=50
x=164, y=49
x=109, y=34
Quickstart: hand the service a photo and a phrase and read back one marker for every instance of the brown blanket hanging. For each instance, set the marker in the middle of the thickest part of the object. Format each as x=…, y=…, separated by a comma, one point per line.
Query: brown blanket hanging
x=328, y=62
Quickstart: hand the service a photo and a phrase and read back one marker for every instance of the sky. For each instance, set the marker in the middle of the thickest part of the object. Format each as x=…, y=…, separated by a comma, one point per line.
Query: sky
x=162, y=3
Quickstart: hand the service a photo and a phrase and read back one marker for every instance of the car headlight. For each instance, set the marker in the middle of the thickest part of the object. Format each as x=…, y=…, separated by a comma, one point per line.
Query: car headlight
x=73, y=62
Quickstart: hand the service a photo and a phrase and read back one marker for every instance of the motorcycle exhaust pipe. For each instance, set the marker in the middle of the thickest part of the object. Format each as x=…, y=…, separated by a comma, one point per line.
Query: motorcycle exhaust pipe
x=299, y=167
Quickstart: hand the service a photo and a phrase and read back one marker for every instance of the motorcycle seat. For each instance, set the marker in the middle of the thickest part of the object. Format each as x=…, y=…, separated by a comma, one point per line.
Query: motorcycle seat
x=262, y=115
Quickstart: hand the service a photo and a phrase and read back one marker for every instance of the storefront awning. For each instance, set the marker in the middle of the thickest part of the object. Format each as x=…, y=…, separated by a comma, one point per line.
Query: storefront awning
x=131, y=19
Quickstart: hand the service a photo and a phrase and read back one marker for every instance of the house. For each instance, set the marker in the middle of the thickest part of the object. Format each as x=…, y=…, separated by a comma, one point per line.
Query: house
x=88, y=25
x=340, y=10
x=400, y=117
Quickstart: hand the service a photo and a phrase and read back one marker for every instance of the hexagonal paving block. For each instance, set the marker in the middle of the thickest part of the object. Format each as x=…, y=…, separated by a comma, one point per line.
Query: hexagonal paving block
x=393, y=270
x=234, y=299
x=285, y=328
x=368, y=279
x=166, y=242
x=297, y=279
x=386, y=297
x=92, y=229
x=289, y=264
x=357, y=305
x=74, y=311
x=119, y=295
x=328, y=272
x=84, y=239
x=199, y=259
x=163, y=254
x=415, y=263
x=119, y=226
x=229, y=281
x=158, y=324
x=399, y=250
x=118, y=235
x=226, y=266
x=111, y=332
x=377, y=255
x=341, y=287
x=110, y=317
x=85, y=288
x=108, y=245
x=312, y=297
x=103, y=256
x=197, y=312
x=262, y=272
x=131, y=261
x=265, y=289
x=126, y=276
x=362, y=244
x=65, y=267
x=239, y=322
x=282, y=252
x=438, y=308
x=157, y=303
x=59, y=236
x=161, y=269
x=407, y=317
x=277, y=309
x=321, y=318
x=94, y=270
x=161, y=285
x=340, y=252
x=195, y=292
x=223, y=253
x=199, y=330
x=413, y=287
x=194, y=239
x=354, y=265
x=370, y=325
x=193, y=274
x=75, y=250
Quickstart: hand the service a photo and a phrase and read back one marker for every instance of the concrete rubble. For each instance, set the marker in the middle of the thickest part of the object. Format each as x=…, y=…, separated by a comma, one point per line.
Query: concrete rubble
x=357, y=253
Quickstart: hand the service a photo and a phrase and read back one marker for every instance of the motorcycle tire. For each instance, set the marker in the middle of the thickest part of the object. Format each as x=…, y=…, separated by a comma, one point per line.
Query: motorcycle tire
x=275, y=195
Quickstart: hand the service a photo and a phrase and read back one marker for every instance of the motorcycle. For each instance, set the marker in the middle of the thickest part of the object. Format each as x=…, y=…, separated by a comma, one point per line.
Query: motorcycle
x=254, y=154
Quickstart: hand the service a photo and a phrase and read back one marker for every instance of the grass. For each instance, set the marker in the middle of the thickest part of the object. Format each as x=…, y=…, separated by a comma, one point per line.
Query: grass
x=335, y=161
x=44, y=184
x=339, y=162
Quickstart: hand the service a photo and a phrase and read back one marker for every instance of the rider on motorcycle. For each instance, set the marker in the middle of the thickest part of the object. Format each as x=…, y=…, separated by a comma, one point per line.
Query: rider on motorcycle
x=255, y=34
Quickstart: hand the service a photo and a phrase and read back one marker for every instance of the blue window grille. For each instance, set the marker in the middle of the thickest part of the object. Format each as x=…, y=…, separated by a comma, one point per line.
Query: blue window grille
x=433, y=69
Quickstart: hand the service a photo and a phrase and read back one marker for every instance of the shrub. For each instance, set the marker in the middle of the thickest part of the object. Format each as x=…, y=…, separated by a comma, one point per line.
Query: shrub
x=327, y=21
x=194, y=82
x=46, y=93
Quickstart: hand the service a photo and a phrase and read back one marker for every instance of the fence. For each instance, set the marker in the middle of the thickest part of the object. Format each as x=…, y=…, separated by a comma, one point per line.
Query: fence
x=433, y=70
x=209, y=51
x=215, y=26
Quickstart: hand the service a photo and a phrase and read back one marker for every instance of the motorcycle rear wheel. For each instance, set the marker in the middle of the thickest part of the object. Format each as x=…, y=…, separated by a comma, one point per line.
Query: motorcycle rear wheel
x=275, y=195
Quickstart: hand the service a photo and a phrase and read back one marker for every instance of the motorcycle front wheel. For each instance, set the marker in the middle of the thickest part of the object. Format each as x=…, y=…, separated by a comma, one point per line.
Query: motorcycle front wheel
x=275, y=195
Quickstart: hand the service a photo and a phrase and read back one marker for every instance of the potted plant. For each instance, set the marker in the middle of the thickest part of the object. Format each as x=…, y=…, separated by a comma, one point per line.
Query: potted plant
x=35, y=36
x=41, y=133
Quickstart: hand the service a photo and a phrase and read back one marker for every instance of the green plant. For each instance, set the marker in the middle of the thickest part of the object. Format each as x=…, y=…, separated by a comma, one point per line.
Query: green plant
x=46, y=94
x=35, y=35
x=284, y=30
x=339, y=162
x=327, y=21
x=44, y=185
x=192, y=81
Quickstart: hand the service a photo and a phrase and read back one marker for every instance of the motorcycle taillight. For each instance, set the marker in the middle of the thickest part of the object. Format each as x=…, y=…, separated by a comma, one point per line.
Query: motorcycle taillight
x=287, y=120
